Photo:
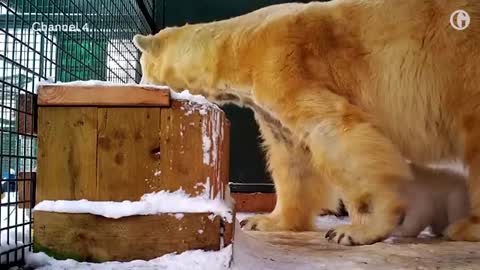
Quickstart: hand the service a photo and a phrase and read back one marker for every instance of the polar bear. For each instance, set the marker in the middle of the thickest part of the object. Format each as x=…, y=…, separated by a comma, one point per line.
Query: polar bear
x=348, y=91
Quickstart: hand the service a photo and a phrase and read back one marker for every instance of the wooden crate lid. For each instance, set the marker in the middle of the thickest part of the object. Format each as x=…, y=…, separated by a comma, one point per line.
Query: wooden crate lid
x=103, y=95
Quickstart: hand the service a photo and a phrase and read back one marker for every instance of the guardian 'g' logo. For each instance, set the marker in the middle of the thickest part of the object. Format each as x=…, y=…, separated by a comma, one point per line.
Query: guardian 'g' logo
x=460, y=19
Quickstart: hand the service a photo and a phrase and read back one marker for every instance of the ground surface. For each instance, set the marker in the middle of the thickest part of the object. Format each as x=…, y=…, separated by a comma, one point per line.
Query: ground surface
x=299, y=251
x=256, y=250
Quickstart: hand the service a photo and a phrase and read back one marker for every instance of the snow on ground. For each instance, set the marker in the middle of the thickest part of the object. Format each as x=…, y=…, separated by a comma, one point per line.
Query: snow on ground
x=149, y=204
x=189, y=260
x=16, y=236
x=322, y=222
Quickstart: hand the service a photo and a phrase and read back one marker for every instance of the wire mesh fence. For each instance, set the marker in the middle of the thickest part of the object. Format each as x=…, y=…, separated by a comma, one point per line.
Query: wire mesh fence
x=55, y=40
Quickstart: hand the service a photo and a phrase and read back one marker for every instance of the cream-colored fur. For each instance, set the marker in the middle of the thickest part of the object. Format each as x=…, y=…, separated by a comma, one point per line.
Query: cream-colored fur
x=356, y=86
x=436, y=199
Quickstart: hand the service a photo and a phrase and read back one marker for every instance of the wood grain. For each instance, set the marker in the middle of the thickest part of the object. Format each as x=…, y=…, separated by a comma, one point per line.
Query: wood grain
x=117, y=153
x=254, y=202
x=218, y=123
x=87, y=237
x=62, y=95
x=26, y=113
x=183, y=127
x=128, y=139
x=25, y=188
x=229, y=230
x=67, y=153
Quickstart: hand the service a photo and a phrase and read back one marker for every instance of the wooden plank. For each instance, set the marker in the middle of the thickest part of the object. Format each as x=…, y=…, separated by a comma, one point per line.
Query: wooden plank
x=229, y=230
x=25, y=188
x=254, y=202
x=225, y=155
x=26, y=114
x=128, y=142
x=181, y=158
x=222, y=165
x=115, y=95
x=67, y=153
x=186, y=130
x=87, y=237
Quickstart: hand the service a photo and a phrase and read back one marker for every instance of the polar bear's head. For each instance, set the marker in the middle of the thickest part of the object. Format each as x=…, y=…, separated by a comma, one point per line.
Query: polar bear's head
x=179, y=57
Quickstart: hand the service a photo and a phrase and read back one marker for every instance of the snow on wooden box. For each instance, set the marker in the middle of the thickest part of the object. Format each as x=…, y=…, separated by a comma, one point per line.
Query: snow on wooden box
x=114, y=143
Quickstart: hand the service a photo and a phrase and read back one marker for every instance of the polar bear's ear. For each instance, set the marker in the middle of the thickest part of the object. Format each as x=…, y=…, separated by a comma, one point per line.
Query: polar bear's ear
x=143, y=43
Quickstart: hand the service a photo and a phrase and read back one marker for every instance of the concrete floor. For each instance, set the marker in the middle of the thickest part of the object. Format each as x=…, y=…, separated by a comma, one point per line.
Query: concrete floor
x=278, y=251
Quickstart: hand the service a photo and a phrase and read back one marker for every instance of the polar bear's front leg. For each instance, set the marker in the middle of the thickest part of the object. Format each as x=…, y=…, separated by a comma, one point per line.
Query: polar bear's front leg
x=301, y=192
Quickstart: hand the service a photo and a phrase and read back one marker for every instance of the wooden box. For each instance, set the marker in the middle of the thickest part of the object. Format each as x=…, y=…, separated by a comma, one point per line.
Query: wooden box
x=116, y=143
